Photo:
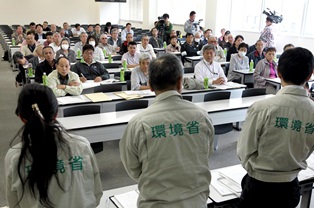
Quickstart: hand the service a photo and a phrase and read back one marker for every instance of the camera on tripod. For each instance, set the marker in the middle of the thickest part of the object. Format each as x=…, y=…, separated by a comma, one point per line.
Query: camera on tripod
x=273, y=16
x=198, y=23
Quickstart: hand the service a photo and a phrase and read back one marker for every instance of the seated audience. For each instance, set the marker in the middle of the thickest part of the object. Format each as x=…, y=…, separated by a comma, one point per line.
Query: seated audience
x=104, y=45
x=48, y=166
x=38, y=56
x=56, y=41
x=266, y=68
x=174, y=46
x=223, y=43
x=77, y=30
x=18, y=35
x=238, y=61
x=288, y=46
x=197, y=40
x=66, y=51
x=32, y=27
x=209, y=68
x=172, y=33
x=221, y=39
x=64, y=82
x=45, y=26
x=124, y=46
x=154, y=40
x=67, y=30
x=49, y=39
x=234, y=48
x=62, y=33
x=114, y=40
x=145, y=47
x=23, y=64
x=132, y=56
x=126, y=31
x=31, y=44
x=98, y=53
x=97, y=33
x=88, y=69
x=258, y=54
x=53, y=28
x=90, y=30
x=139, y=75
x=107, y=28
x=79, y=45
x=220, y=55
x=39, y=32
x=230, y=42
x=189, y=48
x=47, y=66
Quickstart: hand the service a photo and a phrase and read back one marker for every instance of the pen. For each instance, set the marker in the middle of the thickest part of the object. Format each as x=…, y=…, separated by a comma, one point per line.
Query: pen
x=82, y=75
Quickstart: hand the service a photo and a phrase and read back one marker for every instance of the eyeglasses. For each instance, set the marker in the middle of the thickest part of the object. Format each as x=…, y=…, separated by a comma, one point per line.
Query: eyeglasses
x=89, y=53
x=104, y=38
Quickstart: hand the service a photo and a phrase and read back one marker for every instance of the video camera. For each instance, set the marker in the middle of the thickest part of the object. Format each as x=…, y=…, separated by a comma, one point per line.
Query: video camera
x=161, y=20
x=274, y=16
x=198, y=23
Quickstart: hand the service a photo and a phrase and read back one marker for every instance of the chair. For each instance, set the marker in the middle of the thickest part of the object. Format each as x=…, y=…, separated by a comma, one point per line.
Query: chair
x=222, y=128
x=108, y=88
x=85, y=110
x=116, y=58
x=128, y=84
x=131, y=105
x=253, y=92
x=111, y=65
x=187, y=97
x=188, y=70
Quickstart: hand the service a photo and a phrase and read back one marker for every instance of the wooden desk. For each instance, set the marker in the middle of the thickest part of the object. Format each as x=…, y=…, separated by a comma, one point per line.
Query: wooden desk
x=275, y=82
x=110, y=126
x=246, y=76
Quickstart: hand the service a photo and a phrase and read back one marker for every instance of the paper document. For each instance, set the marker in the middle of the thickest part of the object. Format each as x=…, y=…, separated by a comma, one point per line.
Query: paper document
x=128, y=199
x=128, y=97
x=109, y=81
x=139, y=92
x=72, y=99
x=90, y=84
x=224, y=186
x=98, y=97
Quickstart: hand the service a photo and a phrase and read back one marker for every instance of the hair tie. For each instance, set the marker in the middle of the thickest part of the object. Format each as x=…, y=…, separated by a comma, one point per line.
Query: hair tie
x=36, y=108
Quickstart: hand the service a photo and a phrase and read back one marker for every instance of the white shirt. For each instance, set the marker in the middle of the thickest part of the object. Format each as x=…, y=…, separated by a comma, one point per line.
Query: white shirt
x=124, y=33
x=130, y=60
x=98, y=54
x=55, y=47
x=213, y=71
x=77, y=32
x=149, y=50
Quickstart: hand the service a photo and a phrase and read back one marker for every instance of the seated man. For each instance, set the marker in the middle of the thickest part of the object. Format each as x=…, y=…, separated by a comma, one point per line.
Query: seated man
x=220, y=55
x=197, y=40
x=90, y=30
x=154, y=40
x=277, y=137
x=145, y=47
x=189, y=48
x=23, y=63
x=97, y=33
x=230, y=41
x=207, y=34
x=88, y=69
x=31, y=44
x=46, y=66
x=258, y=54
x=39, y=32
x=124, y=46
x=288, y=46
x=77, y=30
x=139, y=75
x=45, y=26
x=64, y=82
x=208, y=68
x=19, y=36
x=165, y=148
x=32, y=27
x=79, y=45
x=105, y=45
x=67, y=30
x=38, y=56
x=114, y=40
x=56, y=44
x=49, y=38
x=53, y=28
x=132, y=56
x=126, y=31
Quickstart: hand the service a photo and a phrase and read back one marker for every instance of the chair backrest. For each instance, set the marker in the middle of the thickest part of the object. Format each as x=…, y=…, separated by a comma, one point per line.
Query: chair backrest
x=187, y=97
x=81, y=110
x=108, y=88
x=128, y=84
x=116, y=58
x=216, y=96
x=188, y=70
x=131, y=105
x=111, y=65
x=253, y=92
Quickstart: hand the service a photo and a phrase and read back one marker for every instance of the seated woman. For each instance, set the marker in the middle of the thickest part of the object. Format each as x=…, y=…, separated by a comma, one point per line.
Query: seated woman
x=174, y=46
x=64, y=82
x=65, y=51
x=238, y=62
x=49, y=167
x=98, y=53
x=234, y=48
x=266, y=68
x=139, y=76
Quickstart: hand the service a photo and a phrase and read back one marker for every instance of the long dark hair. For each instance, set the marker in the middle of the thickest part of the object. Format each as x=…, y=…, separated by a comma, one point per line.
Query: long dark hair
x=41, y=135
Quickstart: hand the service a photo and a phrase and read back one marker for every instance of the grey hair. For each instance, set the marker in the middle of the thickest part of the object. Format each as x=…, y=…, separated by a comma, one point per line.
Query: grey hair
x=82, y=33
x=208, y=47
x=144, y=37
x=102, y=35
x=212, y=36
x=165, y=72
x=144, y=56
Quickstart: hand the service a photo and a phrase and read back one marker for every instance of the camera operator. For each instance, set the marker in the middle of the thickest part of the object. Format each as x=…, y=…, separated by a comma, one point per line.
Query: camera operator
x=164, y=26
x=191, y=26
x=267, y=35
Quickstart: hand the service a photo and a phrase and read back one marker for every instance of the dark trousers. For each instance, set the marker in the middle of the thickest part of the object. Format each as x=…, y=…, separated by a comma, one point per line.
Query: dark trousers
x=259, y=194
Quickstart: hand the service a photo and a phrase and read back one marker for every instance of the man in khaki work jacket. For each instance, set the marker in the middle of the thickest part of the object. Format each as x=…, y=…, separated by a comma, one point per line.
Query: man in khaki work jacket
x=166, y=147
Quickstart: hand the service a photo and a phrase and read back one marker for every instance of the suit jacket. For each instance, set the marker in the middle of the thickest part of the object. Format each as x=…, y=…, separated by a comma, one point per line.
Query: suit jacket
x=119, y=42
x=34, y=61
x=36, y=36
x=68, y=33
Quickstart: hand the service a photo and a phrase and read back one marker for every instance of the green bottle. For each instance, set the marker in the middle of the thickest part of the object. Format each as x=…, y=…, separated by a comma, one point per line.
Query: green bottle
x=206, y=83
x=225, y=51
x=13, y=41
x=124, y=64
x=30, y=71
x=105, y=52
x=79, y=53
x=109, y=58
x=251, y=65
x=122, y=71
x=45, y=79
x=165, y=45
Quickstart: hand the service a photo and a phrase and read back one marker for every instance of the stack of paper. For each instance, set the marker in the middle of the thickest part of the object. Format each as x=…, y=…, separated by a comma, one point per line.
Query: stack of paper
x=98, y=97
x=127, y=200
x=128, y=96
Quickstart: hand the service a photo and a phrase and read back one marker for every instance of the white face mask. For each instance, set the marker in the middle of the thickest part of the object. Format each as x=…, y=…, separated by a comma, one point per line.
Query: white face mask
x=92, y=43
x=197, y=40
x=65, y=46
x=242, y=53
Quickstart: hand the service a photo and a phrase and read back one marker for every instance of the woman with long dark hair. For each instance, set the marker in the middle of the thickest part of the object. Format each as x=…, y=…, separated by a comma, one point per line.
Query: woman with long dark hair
x=49, y=167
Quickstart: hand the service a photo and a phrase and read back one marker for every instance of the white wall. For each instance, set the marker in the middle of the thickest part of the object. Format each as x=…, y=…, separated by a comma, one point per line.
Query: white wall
x=109, y=12
x=56, y=11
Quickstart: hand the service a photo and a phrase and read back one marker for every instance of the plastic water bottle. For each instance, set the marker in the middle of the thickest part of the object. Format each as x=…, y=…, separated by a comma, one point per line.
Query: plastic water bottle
x=124, y=64
x=30, y=70
x=45, y=79
x=13, y=41
x=79, y=53
x=109, y=58
x=105, y=52
x=206, y=83
x=122, y=71
x=165, y=45
x=251, y=65
x=225, y=51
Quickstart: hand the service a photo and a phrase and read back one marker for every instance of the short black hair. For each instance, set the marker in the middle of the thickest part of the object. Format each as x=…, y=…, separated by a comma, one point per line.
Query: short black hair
x=32, y=24
x=192, y=13
x=296, y=65
x=227, y=32
x=17, y=55
x=90, y=25
x=97, y=25
x=92, y=36
x=271, y=49
x=77, y=25
x=128, y=24
x=165, y=71
x=243, y=45
x=38, y=25
x=108, y=24
x=87, y=47
x=30, y=33
x=49, y=34
x=189, y=34
x=132, y=43
x=288, y=45
x=166, y=16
